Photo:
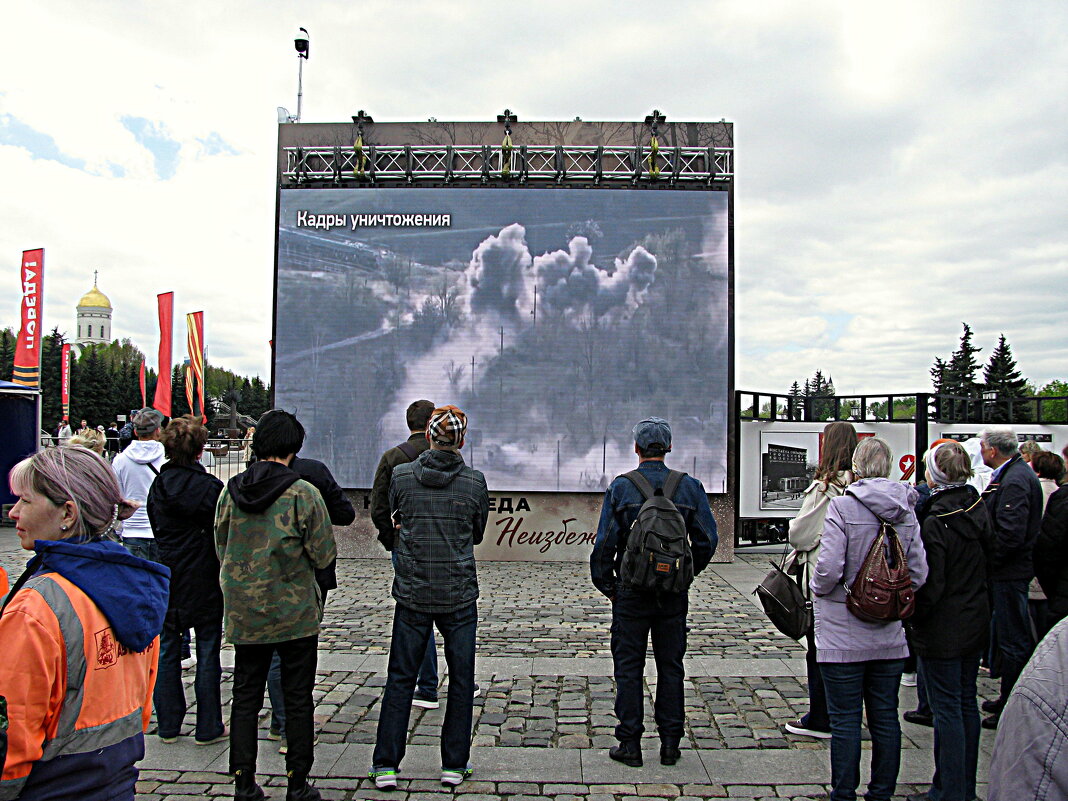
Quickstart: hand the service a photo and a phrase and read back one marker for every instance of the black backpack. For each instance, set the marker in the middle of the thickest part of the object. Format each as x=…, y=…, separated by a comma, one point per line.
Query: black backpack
x=657, y=556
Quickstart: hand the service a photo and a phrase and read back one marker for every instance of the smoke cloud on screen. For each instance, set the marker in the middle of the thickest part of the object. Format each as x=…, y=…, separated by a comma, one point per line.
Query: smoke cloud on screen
x=570, y=281
x=495, y=274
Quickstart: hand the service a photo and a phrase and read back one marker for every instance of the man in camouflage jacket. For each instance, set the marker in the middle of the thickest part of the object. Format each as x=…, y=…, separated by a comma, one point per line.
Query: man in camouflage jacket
x=272, y=530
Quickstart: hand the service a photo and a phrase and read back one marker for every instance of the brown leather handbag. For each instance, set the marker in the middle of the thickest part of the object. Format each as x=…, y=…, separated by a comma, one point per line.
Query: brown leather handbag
x=882, y=590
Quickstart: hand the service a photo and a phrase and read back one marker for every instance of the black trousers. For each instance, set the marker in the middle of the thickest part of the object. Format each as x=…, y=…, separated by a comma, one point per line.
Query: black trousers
x=251, y=663
x=635, y=616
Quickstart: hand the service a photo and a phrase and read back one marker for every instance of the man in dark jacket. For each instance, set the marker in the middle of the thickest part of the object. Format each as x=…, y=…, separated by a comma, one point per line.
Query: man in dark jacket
x=1014, y=500
x=440, y=507
x=636, y=613
x=417, y=415
x=1051, y=554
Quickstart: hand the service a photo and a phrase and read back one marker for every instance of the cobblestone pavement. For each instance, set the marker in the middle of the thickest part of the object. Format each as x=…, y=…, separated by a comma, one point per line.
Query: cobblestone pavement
x=544, y=717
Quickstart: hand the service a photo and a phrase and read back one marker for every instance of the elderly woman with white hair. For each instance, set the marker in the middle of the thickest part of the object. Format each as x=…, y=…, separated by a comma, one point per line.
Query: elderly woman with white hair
x=862, y=662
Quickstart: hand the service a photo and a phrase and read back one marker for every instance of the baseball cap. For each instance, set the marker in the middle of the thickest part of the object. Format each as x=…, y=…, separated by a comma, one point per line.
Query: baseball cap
x=652, y=430
x=146, y=421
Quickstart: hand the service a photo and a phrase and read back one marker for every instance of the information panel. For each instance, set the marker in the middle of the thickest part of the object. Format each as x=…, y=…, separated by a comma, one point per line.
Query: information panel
x=556, y=318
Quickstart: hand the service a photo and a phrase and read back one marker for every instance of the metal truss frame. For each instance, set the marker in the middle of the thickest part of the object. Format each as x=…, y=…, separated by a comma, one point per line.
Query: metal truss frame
x=410, y=164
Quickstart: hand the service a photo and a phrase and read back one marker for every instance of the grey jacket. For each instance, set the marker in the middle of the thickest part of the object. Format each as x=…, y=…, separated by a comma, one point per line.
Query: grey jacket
x=1030, y=760
x=848, y=532
x=442, y=506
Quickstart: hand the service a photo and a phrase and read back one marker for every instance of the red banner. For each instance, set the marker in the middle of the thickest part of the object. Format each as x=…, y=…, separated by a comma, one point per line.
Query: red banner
x=28, y=351
x=195, y=343
x=189, y=389
x=142, y=381
x=162, y=401
x=64, y=381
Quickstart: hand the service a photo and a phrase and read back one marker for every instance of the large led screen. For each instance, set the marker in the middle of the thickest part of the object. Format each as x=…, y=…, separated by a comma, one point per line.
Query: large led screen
x=556, y=318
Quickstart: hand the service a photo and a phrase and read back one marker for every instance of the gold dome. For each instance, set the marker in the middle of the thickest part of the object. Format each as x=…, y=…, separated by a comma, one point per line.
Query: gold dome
x=94, y=297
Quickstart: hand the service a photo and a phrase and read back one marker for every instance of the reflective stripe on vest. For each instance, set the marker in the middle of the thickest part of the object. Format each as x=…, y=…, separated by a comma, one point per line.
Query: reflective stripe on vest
x=67, y=739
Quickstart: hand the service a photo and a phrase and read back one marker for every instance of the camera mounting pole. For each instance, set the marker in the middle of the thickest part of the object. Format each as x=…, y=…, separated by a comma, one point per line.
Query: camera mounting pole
x=303, y=47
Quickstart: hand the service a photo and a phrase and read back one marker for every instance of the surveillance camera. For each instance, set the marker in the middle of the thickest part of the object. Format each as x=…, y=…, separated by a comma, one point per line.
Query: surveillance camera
x=300, y=42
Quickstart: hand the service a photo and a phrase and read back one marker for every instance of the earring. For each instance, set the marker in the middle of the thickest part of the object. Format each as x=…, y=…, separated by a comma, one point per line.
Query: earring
x=62, y=528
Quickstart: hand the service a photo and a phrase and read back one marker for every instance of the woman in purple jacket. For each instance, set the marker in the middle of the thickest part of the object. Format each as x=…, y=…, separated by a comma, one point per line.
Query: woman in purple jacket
x=862, y=662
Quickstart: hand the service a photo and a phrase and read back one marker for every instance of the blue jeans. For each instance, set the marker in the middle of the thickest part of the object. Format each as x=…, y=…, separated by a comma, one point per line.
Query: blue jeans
x=408, y=645
x=951, y=692
x=850, y=687
x=1012, y=624
x=169, y=695
x=426, y=684
x=142, y=547
x=635, y=616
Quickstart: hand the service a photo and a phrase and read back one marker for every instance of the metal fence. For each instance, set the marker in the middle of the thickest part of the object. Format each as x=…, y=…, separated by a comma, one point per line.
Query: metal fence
x=223, y=458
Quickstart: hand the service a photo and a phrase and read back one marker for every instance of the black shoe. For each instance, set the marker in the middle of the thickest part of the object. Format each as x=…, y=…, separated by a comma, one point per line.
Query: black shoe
x=920, y=719
x=994, y=707
x=991, y=722
x=918, y=797
x=303, y=792
x=629, y=753
x=669, y=752
x=245, y=787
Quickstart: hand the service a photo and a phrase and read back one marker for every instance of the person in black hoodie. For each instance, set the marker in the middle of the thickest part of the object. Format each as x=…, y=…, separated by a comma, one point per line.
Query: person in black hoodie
x=951, y=625
x=1051, y=555
x=181, y=509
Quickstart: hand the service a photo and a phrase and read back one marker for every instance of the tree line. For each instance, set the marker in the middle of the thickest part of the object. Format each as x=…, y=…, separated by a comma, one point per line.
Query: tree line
x=998, y=397
x=105, y=382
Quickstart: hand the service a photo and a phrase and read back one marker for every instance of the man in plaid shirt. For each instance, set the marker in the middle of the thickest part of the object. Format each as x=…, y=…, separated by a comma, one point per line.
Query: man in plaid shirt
x=440, y=507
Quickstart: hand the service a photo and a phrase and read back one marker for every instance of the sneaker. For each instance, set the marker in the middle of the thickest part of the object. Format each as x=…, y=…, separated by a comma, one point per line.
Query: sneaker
x=424, y=701
x=274, y=734
x=385, y=778
x=225, y=735
x=629, y=753
x=451, y=778
x=799, y=728
x=478, y=692
x=168, y=740
x=188, y=662
x=908, y=679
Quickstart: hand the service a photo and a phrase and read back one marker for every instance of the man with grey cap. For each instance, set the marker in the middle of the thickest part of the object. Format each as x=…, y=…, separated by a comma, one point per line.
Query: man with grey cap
x=637, y=613
x=136, y=468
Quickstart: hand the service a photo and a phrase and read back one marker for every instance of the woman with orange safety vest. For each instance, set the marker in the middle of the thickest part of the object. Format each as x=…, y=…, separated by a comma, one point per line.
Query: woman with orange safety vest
x=80, y=635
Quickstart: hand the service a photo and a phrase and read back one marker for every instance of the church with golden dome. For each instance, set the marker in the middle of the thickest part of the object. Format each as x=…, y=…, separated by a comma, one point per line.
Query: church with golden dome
x=94, y=317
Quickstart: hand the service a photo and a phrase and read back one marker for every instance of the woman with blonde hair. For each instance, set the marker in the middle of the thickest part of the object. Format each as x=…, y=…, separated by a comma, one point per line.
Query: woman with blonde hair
x=79, y=632
x=832, y=477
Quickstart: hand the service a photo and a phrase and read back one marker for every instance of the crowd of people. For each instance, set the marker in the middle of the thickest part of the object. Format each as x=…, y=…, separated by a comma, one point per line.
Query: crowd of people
x=136, y=559
x=975, y=533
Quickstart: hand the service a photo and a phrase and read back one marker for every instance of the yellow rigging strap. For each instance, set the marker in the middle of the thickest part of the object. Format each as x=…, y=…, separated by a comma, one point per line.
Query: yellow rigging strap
x=360, y=167
x=654, y=151
x=506, y=155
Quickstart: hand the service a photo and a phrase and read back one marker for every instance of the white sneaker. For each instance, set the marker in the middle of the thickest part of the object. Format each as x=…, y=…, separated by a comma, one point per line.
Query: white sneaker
x=451, y=778
x=908, y=679
x=478, y=692
x=425, y=703
x=189, y=662
x=385, y=778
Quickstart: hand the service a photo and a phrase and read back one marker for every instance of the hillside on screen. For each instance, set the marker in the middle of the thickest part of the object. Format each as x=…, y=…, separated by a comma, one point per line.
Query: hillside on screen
x=556, y=318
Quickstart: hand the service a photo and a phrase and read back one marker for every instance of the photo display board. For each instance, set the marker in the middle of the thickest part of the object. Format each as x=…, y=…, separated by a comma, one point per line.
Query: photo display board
x=555, y=318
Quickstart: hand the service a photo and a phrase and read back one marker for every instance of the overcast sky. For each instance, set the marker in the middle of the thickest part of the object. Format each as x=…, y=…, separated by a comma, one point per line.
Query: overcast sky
x=900, y=167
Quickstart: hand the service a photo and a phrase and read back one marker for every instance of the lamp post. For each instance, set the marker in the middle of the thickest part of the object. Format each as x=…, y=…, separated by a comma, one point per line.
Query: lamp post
x=303, y=47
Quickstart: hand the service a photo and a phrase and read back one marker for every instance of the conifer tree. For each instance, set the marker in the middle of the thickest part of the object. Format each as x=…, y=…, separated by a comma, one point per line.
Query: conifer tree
x=961, y=371
x=1001, y=376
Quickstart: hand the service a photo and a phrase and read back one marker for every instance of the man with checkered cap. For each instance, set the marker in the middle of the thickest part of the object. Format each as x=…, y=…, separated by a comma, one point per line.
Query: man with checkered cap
x=440, y=507
x=639, y=613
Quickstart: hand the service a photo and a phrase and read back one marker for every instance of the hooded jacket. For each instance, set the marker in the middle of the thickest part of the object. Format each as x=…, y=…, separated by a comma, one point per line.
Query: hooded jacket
x=272, y=530
x=135, y=478
x=442, y=505
x=952, y=618
x=181, y=508
x=80, y=641
x=848, y=532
